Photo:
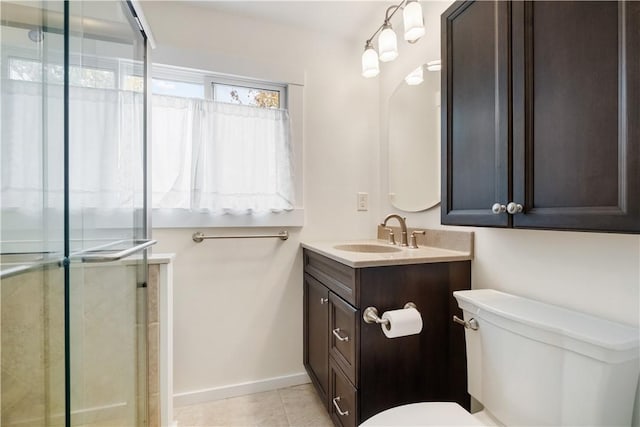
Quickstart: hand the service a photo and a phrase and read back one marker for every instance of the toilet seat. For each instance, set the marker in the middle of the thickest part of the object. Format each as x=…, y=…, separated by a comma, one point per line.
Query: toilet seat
x=424, y=414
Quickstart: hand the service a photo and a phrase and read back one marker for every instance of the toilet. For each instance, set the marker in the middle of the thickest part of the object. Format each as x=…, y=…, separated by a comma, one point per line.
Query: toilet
x=535, y=364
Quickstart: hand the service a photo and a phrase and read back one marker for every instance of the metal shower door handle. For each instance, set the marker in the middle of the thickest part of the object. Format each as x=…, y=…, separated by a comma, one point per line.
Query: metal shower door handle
x=89, y=257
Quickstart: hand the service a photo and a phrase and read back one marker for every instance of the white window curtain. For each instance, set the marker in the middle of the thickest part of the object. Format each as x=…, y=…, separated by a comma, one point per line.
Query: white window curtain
x=206, y=156
x=105, y=148
x=220, y=158
x=22, y=151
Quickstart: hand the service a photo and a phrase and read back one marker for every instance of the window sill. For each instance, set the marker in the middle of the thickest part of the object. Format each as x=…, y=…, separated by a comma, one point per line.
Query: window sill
x=178, y=218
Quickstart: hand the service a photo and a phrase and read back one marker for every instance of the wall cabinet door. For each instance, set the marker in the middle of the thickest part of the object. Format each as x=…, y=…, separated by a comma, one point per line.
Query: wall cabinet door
x=475, y=112
x=576, y=115
x=316, y=334
x=542, y=101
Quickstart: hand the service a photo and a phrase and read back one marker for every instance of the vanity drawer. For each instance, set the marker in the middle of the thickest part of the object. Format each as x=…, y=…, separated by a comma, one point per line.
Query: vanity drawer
x=344, y=336
x=341, y=279
x=343, y=399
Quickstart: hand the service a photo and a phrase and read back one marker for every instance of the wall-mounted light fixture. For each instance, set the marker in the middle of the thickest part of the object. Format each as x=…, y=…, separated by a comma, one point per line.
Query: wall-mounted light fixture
x=387, y=41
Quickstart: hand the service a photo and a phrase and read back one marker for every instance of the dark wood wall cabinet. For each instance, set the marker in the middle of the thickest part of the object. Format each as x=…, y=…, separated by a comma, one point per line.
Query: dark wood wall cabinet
x=541, y=115
x=356, y=370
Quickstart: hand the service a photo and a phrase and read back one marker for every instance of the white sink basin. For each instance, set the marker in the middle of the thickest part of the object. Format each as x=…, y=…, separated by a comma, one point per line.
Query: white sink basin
x=367, y=248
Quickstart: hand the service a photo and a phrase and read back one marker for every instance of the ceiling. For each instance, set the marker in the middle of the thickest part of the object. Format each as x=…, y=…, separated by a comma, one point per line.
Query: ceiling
x=352, y=20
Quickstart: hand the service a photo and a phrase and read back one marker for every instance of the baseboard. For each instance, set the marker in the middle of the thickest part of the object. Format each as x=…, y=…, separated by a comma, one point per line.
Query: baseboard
x=233, y=390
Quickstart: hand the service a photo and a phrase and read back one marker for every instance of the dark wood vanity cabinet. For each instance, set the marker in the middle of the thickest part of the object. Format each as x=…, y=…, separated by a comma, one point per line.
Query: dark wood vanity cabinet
x=541, y=107
x=356, y=370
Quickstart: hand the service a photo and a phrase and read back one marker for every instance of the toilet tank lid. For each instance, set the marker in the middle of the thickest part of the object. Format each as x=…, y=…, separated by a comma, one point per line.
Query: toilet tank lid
x=595, y=337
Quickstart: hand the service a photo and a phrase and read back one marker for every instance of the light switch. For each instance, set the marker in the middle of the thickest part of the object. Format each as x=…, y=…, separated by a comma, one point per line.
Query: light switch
x=363, y=201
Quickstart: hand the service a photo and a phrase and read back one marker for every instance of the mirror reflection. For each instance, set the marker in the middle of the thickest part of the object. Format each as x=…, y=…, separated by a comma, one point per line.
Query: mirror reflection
x=414, y=140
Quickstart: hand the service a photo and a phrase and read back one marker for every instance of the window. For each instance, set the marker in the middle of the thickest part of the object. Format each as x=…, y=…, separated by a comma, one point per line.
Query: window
x=246, y=93
x=31, y=71
x=133, y=83
x=177, y=88
x=220, y=146
x=166, y=80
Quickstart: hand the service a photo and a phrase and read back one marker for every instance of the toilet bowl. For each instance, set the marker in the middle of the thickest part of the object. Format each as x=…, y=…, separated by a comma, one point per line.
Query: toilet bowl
x=531, y=363
x=428, y=414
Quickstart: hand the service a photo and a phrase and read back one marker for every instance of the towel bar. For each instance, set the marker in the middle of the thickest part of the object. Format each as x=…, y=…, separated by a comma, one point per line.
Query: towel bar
x=199, y=236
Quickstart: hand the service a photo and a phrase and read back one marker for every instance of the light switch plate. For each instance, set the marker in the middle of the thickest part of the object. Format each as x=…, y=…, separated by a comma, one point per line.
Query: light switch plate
x=363, y=201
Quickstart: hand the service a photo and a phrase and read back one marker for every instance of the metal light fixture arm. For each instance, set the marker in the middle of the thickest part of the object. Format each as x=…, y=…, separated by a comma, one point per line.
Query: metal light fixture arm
x=387, y=18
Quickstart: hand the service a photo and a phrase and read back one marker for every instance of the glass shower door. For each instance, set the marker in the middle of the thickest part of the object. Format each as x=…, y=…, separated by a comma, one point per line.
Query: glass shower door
x=107, y=274
x=32, y=358
x=72, y=215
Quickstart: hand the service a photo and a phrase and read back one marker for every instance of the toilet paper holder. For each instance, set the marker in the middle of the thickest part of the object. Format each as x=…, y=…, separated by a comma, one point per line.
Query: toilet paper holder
x=370, y=314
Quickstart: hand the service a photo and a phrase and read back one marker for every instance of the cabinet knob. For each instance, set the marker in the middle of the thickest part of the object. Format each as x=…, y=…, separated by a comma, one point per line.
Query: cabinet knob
x=324, y=300
x=498, y=208
x=336, y=332
x=514, y=208
x=340, y=411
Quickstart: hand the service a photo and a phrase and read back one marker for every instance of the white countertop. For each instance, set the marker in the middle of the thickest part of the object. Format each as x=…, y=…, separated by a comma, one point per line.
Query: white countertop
x=421, y=255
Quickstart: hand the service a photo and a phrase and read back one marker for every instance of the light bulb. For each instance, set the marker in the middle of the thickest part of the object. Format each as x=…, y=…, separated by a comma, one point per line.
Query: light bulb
x=415, y=77
x=388, y=44
x=370, y=66
x=413, y=21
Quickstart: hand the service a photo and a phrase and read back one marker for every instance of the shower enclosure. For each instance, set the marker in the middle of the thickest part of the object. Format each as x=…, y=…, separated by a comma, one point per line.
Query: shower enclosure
x=73, y=214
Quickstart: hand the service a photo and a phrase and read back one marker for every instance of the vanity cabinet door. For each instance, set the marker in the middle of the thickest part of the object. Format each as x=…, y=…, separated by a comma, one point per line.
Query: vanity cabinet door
x=316, y=334
x=475, y=112
x=576, y=115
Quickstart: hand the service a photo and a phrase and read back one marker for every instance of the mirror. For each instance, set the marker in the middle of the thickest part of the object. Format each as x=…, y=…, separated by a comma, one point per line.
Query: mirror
x=414, y=144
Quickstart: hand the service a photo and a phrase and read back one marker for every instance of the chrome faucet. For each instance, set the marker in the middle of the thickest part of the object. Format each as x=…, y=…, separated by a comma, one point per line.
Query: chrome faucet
x=403, y=227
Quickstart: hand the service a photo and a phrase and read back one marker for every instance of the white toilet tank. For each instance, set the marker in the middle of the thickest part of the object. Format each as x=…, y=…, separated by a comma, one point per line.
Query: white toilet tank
x=531, y=363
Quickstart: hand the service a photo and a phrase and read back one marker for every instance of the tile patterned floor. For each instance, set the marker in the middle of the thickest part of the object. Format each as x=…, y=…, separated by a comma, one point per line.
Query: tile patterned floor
x=293, y=406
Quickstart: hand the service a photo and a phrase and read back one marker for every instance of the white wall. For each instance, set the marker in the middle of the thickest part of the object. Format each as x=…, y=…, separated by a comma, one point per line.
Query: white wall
x=238, y=303
x=592, y=272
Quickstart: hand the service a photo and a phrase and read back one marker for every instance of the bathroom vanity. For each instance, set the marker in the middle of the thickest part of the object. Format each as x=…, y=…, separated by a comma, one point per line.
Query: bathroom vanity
x=355, y=368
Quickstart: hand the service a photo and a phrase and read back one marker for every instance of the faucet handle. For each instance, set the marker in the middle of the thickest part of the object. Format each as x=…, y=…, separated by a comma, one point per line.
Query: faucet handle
x=392, y=239
x=413, y=244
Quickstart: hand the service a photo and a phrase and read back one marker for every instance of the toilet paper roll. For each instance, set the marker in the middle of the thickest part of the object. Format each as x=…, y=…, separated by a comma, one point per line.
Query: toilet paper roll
x=403, y=322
